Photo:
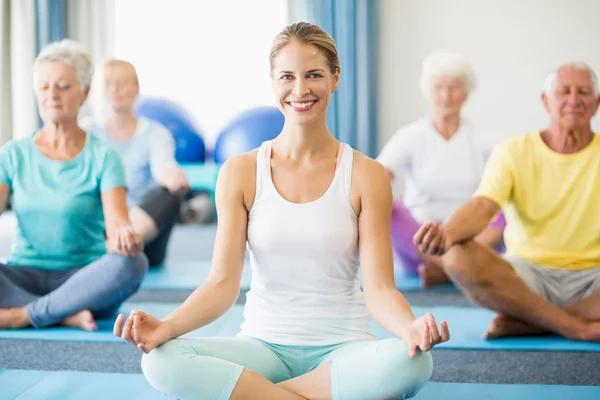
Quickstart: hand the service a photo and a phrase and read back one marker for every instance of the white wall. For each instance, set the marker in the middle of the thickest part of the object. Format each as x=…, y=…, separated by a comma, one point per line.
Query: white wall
x=512, y=44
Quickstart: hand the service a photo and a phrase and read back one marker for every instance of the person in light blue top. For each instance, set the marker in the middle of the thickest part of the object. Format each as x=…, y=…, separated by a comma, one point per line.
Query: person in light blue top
x=76, y=256
x=154, y=180
x=150, y=150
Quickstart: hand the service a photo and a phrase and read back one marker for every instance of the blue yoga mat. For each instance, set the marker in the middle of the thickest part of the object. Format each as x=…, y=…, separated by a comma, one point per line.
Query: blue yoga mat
x=191, y=274
x=69, y=385
x=186, y=276
x=105, y=327
x=467, y=324
x=489, y=391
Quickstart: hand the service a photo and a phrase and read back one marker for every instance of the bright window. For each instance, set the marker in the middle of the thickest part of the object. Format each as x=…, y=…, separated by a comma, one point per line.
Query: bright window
x=212, y=57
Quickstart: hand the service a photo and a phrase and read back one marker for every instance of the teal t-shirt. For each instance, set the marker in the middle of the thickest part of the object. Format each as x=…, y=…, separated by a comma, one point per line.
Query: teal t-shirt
x=60, y=220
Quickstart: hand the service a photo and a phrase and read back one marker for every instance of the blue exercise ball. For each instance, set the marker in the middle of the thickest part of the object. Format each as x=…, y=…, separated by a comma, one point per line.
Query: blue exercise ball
x=189, y=145
x=247, y=132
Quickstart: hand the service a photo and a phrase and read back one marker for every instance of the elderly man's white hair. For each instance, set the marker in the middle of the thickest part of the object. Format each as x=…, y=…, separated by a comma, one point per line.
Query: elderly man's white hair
x=70, y=53
x=443, y=63
x=550, y=82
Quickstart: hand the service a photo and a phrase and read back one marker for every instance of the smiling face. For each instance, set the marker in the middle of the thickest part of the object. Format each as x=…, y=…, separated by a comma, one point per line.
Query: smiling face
x=303, y=82
x=573, y=100
x=59, y=94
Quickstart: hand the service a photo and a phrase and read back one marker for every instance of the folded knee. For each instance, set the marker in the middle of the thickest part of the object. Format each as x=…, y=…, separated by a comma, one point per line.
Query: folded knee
x=166, y=199
x=181, y=371
x=172, y=202
x=458, y=261
x=160, y=367
x=401, y=375
x=130, y=268
x=467, y=264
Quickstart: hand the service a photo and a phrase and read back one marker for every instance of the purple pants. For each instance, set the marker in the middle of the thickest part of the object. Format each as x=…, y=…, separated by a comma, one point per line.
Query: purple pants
x=403, y=229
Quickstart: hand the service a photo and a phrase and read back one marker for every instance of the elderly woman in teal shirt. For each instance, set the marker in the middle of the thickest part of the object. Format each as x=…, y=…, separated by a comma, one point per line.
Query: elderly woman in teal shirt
x=76, y=257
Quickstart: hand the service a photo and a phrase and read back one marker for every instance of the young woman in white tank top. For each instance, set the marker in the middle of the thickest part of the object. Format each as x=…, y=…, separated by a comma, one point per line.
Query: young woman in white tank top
x=309, y=210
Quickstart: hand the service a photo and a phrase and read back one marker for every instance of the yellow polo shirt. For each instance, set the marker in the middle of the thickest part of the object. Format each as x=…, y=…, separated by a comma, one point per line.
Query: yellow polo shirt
x=551, y=201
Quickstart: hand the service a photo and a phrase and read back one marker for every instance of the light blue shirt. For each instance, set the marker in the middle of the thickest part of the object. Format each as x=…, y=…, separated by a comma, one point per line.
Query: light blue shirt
x=145, y=155
x=58, y=205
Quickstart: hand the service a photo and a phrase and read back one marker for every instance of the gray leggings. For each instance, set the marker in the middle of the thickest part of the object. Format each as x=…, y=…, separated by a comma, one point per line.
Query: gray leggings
x=51, y=296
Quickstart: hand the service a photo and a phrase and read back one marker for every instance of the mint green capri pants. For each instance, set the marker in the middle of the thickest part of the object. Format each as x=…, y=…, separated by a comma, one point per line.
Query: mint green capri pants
x=209, y=368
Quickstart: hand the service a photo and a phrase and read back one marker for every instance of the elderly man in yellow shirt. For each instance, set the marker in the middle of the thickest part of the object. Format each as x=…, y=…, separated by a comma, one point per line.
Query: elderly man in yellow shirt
x=548, y=184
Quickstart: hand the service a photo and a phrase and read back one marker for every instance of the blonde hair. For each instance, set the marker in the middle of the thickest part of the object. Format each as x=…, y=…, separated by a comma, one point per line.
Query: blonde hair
x=306, y=33
x=113, y=62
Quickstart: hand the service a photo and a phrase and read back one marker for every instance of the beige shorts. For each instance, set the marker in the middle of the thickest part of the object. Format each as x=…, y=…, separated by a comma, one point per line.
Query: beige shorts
x=560, y=287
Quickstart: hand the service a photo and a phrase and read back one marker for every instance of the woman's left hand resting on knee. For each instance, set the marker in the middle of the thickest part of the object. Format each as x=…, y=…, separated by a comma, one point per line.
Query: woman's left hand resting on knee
x=423, y=334
x=372, y=197
x=121, y=237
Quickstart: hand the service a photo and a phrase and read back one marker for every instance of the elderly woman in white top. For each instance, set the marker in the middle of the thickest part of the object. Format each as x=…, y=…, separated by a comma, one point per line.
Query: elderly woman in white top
x=441, y=159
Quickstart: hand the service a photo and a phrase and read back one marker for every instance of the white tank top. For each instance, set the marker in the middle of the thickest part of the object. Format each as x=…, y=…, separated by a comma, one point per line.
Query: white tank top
x=304, y=261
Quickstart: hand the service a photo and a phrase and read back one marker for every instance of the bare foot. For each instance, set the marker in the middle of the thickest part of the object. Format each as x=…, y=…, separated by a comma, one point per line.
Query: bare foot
x=590, y=332
x=504, y=325
x=14, y=318
x=83, y=319
x=432, y=275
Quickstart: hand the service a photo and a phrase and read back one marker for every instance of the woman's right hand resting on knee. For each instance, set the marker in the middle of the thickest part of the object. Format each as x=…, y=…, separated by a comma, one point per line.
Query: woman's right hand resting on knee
x=125, y=241
x=219, y=293
x=142, y=330
x=121, y=237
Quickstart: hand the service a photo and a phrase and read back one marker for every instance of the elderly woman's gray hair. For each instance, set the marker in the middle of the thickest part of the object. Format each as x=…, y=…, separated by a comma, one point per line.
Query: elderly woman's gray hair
x=443, y=63
x=70, y=53
x=550, y=81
